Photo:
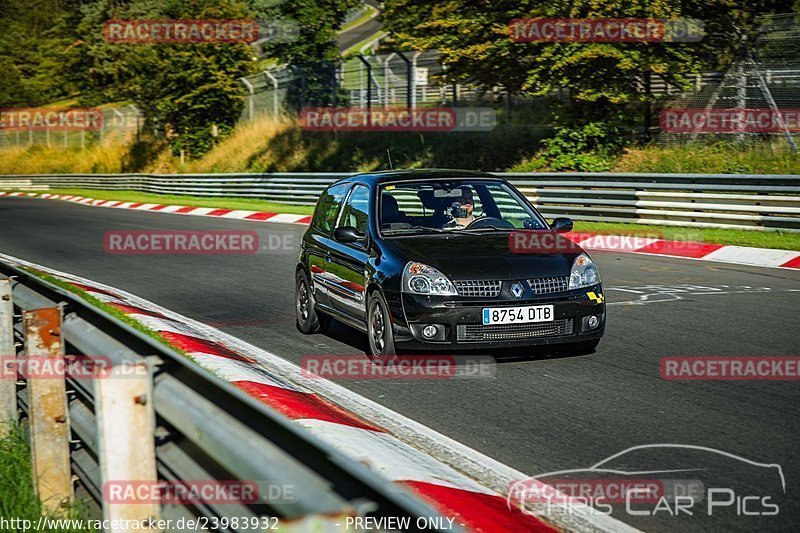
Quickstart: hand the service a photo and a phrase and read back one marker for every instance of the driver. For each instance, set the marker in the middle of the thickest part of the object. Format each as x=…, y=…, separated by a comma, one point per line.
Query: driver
x=461, y=210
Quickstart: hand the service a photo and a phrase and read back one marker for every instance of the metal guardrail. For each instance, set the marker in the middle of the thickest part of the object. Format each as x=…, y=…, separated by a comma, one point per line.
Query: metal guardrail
x=747, y=201
x=199, y=428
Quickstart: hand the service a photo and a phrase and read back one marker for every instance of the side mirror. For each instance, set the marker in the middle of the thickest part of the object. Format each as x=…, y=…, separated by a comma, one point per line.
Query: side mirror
x=347, y=234
x=561, y=225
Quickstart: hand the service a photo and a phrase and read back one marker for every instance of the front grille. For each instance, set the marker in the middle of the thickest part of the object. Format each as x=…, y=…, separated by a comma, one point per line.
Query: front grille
x=549, y=285
x=499, y=332
x=478, y=288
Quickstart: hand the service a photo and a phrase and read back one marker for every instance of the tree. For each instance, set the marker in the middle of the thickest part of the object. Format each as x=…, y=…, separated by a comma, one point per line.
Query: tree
x=602, y=79
x=317, y=22
x=32, y=47
x=191, y=91
x=313, y=54
x=473, y=37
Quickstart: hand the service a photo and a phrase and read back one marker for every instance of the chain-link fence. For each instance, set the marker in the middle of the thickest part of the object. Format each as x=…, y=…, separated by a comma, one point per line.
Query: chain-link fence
x=397, y=79
x=756, y=100
x=117, y=124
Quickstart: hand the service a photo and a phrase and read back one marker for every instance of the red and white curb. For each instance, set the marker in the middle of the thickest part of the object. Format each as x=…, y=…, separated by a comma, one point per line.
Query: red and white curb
x=741, y=255
x=722, y=253
x=460, y=482
x=239, y=214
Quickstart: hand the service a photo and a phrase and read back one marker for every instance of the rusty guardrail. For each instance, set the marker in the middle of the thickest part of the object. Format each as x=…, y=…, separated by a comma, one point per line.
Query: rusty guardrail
x=145, y=414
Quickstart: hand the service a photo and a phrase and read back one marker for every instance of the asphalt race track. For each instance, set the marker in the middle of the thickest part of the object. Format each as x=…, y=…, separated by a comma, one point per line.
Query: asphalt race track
x=541, y=412
x=359, y=33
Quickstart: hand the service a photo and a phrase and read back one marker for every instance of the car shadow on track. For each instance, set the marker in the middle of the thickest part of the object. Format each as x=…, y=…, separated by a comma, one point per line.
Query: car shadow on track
x=358, y=341
x=523, y=353
x=348, y=335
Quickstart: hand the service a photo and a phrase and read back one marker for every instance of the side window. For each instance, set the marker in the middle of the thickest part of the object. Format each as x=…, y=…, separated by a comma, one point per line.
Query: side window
x=327, y=207
x=510, y=208
x=356, y=210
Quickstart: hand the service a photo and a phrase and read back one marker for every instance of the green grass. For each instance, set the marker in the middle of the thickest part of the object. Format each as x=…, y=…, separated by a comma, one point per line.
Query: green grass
x=720, y=158
x=295, y=150
x=113, y=311
x=17, y=496
x=73, y=101
x=782, y=240
x=195, y=201
x=760, y=157
x=110, y=309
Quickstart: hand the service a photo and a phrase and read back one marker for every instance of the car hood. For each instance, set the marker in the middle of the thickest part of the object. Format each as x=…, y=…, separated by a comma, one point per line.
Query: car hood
x=467, y=257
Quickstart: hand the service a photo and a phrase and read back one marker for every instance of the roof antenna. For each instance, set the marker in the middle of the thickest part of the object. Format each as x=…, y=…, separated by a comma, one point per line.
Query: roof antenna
x=389, y=154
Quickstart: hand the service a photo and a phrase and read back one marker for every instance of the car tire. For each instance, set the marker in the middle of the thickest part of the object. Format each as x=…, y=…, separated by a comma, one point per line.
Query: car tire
x=308, y=319
x=380, y=336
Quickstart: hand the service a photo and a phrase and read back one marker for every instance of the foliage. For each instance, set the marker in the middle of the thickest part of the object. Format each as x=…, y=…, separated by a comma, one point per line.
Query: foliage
x=602, y=81
x=591, y=147
x=318, y=22
x=189, y=91
x=19, y=499
x=33, y=43
x=474, y=40
x=714, y=158
x=725, y=21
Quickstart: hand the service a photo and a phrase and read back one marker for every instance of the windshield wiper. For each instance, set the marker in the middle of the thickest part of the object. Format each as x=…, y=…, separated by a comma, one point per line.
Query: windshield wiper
x=490, y=228
x=414, y=229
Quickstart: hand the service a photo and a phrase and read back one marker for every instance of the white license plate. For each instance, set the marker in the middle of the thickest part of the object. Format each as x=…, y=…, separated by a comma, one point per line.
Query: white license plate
x=515, y=315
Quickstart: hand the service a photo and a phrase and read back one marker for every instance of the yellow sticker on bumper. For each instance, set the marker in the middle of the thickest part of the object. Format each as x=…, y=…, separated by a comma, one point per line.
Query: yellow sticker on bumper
x=596, y=298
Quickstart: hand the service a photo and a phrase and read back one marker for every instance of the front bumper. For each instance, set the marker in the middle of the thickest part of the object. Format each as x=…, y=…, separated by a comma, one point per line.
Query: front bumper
x=460, y=325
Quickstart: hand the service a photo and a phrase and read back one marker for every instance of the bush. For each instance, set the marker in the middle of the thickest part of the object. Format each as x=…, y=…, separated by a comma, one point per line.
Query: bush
x=588, y=147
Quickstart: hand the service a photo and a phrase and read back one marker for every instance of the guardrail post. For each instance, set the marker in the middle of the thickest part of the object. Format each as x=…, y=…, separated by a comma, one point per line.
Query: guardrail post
x=8, y=382
x=126, y=443
x=48, y=408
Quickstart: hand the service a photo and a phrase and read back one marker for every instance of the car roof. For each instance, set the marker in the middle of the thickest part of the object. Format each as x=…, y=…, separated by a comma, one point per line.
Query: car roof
x=413, y=175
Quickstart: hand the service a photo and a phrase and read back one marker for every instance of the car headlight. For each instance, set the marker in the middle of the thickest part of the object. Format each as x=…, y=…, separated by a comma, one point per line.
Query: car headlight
x=583, y=273
x=423, y=279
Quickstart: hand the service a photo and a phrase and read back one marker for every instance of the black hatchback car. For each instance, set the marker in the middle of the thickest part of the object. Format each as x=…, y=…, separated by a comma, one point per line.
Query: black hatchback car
x=429, y=259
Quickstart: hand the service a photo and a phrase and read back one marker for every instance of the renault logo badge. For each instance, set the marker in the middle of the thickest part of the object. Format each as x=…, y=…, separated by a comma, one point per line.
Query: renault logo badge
x=517, y=290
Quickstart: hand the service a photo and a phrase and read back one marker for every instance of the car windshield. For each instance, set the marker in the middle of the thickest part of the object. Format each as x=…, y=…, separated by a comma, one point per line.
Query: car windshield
x=460, y=206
